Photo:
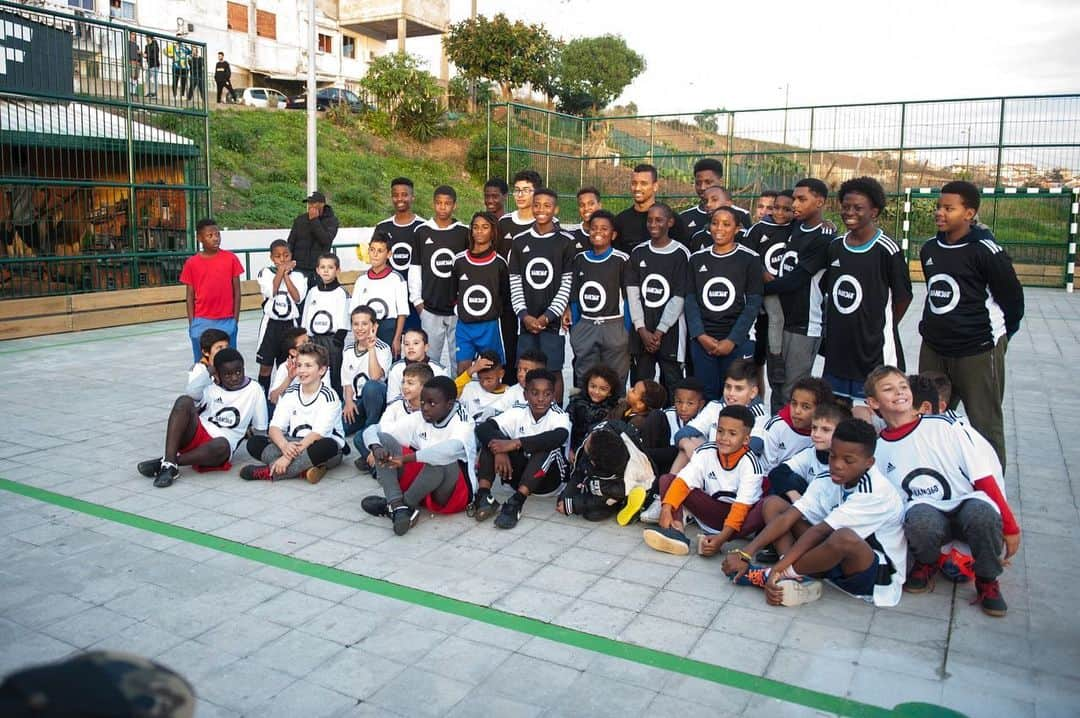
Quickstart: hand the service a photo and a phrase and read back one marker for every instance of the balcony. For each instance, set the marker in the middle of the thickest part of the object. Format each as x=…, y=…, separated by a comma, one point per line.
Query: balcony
x=383, y=18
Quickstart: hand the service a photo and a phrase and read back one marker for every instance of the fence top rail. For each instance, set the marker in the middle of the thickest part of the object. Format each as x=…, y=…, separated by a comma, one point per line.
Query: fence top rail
x=25, y=9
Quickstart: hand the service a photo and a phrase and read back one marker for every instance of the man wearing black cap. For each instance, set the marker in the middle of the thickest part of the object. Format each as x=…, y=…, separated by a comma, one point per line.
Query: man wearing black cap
x=312, y=234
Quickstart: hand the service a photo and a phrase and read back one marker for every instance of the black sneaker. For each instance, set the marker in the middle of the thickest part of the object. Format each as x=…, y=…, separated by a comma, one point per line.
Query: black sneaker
x=404, y=519
x=375, y=505
x=988, y=596
x=256, y=472
x=361, y=465
x=150, y=467
x=509, y=516
x=483, y=507
x=166, y=476
x=769, y=555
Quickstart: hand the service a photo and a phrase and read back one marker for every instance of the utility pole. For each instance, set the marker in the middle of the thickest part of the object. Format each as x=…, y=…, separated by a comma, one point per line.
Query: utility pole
x=312, y=176
x=472, y=82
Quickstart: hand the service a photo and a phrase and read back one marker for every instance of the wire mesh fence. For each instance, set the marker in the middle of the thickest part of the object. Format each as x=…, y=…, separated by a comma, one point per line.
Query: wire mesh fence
x=103, y=153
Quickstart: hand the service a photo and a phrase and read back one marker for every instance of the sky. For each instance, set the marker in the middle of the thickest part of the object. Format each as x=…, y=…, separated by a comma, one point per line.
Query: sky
x=744, y=55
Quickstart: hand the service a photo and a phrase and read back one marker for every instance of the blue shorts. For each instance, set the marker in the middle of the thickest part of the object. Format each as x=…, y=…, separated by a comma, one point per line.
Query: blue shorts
x=475, y=337
x=551, y=343
x=850, y=388
x=857, y=584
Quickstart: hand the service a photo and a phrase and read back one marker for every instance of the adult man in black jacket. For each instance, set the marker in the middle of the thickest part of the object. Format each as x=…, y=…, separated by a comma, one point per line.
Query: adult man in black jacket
x=223, y=77
x=312, y=234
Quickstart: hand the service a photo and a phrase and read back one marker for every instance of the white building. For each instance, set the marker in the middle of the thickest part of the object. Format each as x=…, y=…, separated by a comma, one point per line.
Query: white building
x=265, y=41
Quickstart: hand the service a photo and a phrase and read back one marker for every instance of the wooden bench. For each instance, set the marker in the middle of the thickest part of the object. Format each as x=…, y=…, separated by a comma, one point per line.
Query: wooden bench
x=78, y=312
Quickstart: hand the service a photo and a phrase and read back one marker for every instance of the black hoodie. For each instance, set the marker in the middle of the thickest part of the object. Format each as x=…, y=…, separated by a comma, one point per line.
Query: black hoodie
x=311, y=237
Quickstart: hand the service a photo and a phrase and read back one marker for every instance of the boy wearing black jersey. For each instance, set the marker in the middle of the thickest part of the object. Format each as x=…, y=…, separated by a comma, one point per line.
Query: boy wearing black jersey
x=723, y=302
x=432, y=286
x=599, y=275
x=868, y=290
x=400, y=226
x=525, y=446
x=712, y=200
x=799, y=285
x=974, y=304
x=656, y=285
x=495, y=191
x=588, y=201
x=511, y=224
x=769, y=238
x=540, y=283
x=482, y=285
x=708, y=173
x=326, y=314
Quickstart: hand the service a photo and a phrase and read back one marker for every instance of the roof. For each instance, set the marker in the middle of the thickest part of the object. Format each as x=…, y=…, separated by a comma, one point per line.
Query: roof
x=74, y=125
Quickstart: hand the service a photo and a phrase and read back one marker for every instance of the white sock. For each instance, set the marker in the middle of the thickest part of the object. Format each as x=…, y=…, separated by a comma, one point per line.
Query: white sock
x=790, y=573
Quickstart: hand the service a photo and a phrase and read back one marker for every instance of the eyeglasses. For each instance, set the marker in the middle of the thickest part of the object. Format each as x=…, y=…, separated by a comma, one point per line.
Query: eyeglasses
x=523, y=190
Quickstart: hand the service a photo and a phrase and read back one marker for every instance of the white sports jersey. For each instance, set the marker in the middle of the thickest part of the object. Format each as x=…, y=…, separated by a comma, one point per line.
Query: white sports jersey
x=673, y=423
x=354, y=364
x=198, y=381
x=282, y=371
x=808, y=465
x=228, y=414
x=513, y=395
x=452, y=439
x=397, y=370
x=934, y=462
x=397, y=410
x=982, y=446
x=517, y=422
x=875, y=511
x=388, y=295
x=705, y=421
x=280, y=305
x=297, y=414
x=478, y=402
x=782, y=442
x=740, y=484
x=326, y=312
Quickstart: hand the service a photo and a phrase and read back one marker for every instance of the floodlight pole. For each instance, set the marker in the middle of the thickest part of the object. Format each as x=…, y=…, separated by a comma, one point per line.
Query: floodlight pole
x=312, y=177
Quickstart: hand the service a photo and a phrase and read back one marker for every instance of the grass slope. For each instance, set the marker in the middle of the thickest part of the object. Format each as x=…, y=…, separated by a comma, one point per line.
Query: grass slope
x=354, y=170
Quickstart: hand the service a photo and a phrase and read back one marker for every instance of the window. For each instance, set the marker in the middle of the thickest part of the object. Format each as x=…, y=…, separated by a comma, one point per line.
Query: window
x=266, y=24
x=237, y=17
x=122, y=9
x=326, y=43
x=82, y=4
x=348, y=46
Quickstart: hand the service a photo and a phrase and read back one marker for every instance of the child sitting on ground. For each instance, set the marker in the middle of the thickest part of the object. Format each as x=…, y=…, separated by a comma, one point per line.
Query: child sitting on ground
x=848, y=530
x=201, y=375
x=306, y=436
x=363, y=372
x=643, y=408
x=423, y=459
x=285, y=375
x=788, y=433
x=610, y=475
x=528, y=361
x=525, y=446
x=413, y=379
x=791, y=477
x=206, y=434
x=719, y=487
x=414, y=348
x=479, y=396
x=592, y=406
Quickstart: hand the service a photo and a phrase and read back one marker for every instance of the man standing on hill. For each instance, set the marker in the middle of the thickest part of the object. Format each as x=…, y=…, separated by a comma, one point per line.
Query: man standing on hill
x=312, y=234
x=223, y=77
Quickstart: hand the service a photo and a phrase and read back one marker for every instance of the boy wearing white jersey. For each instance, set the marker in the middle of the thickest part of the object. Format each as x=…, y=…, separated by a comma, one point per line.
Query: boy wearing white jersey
x=385, y=291
x=326, y=314
x=363, y=373
x=283, y=287
x=205, y=436
x=414, y=348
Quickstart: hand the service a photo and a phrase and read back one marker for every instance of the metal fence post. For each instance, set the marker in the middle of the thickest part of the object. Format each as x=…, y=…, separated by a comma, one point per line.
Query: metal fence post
x=547, y=152
x=652, y=136
x=1070, y=256
x=907, y=224
x=509, y=120
x=810, y=148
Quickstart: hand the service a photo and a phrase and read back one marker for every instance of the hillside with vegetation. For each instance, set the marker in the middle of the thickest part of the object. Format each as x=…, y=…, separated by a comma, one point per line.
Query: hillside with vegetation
x=259, y=167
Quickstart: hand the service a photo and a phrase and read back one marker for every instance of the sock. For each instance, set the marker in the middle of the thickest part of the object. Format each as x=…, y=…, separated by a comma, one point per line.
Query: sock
x=483, y=493
x=264, y=382
x=791, y=573
x=165, y=463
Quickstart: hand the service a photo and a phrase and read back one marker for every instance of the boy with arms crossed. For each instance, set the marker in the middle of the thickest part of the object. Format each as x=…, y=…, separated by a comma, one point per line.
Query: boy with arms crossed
x=385, y=291
x=283, y=287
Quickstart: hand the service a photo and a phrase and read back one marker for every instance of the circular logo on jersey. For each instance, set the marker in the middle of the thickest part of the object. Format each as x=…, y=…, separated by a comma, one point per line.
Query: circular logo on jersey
x=400, y=256
x=539, y=273
x=592, y=296
x=380, y=308
x=718, y=294
x=789, y=261
x=942, y=293
x=773, y=259
x=846, y=293
x=227, y=418
x=655, y=291
x=301, y=431
x=321, y=322
x=281, y=306
x=442, y=262
x=358, y=383
x=926, y=484
x=477, y=300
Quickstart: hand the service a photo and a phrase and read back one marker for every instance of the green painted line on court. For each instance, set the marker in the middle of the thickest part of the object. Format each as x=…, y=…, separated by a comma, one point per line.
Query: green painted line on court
x=492, y=616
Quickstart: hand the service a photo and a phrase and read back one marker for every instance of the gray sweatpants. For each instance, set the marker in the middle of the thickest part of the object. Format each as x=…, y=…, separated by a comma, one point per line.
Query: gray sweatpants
x=439, y=481
x=799, y=352
x=298, y=465
x=600, y=343
x=442, y=332
x=975, y=522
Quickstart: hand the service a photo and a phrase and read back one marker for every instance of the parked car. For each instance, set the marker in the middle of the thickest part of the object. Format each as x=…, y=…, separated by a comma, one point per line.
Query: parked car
x=326, y=97
x=262, y=97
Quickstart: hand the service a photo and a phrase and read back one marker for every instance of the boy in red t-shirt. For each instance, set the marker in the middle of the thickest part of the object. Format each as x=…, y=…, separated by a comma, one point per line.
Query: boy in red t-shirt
x=213, y=287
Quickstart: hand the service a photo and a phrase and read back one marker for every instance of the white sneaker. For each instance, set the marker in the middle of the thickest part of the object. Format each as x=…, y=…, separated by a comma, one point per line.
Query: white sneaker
x=651, y=515
x=799, y=591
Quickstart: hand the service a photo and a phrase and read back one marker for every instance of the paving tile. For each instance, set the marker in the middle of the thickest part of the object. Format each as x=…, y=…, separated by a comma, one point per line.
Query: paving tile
x=306, y=699
x=481, y=703
x=242, y=635
x=355, y=673
x=465, y=660
x=88, y=627
x=244, y=685
x=400, y=641
x=535, y=603
x=291, y=608
x=421, y=692
x=296, y=653
x=546, y=679
x=716, y=647
x=562, y=580
x=30, y=649
x=618, y=700
x=595, y=618
x=663, y=634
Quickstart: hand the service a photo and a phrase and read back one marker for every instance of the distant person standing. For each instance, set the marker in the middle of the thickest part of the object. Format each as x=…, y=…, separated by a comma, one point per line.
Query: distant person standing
x=223, y=77
x=181, y=63
x=312, y=234
x=198, y=76
x=134, y=62
x=152, y=53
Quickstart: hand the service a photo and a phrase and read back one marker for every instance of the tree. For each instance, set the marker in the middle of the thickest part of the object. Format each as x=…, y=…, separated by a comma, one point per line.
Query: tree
x=512, y=54
x=408, y=94
x=598, y=68
x=707, y=120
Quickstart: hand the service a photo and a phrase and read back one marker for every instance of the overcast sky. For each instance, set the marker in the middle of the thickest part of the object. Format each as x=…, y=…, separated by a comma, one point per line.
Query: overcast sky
x=740, y=55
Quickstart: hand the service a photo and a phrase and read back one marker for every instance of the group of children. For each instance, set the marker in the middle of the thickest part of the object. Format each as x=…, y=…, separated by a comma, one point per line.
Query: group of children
x=665, y=422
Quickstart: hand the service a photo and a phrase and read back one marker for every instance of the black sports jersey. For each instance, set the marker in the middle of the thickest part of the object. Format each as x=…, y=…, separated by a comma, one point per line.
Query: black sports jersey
x=579, y=238
x=807, y=249
x=481, y=286
x=598, y=284
x=401, y=241
x=696, y=219
x=431, y=277
x=861, y=286
x=630, y=225
x=972, y=294
x=769, y=240
x=510, y=226
x=661, y=274
x=540, y=273
x=721, y=284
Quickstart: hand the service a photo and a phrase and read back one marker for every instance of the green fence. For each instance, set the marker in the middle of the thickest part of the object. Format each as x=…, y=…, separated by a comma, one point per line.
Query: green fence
x=104, y=158
x=998, y=142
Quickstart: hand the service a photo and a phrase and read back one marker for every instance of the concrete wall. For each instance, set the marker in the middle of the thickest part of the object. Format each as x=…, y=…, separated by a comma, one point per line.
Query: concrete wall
x=233, y=239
